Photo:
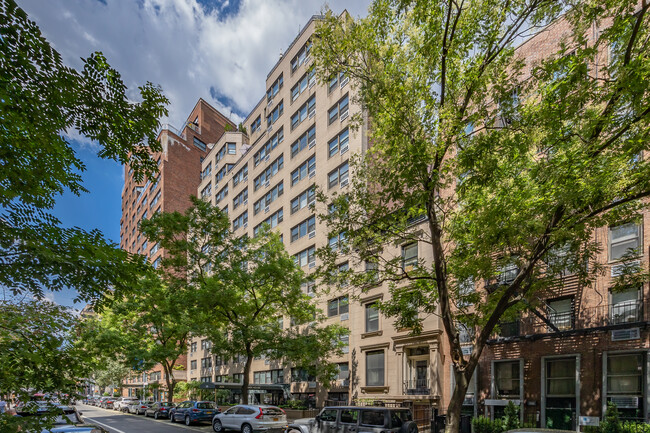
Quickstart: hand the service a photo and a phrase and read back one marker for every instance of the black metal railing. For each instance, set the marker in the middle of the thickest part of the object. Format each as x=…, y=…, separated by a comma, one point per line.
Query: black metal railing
x=601, y=317
x=417, y=387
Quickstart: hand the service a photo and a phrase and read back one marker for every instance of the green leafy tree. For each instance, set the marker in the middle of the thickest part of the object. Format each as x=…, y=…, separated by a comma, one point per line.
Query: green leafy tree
x=38, y=355
x=243, y=290
x=484, y=158
x=42, y=103
x=149, y=326
x=111, y=374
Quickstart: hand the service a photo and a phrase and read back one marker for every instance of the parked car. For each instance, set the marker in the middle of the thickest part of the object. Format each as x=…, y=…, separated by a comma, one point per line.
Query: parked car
x=107, y=402
x=123, y=403
x=347, y=419
x=62, y=423
x=138, y=407
x=159, y=409
x=193, y=411
x=248, y=419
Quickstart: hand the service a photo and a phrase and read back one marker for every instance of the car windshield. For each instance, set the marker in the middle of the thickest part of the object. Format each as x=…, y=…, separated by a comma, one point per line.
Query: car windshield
x=166, y=404
x=399, y=417
x=67, y=419
x=205, y=405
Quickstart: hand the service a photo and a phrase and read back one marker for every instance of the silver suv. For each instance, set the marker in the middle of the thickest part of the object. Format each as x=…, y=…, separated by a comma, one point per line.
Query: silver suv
x=248, y=419
x=352, y=419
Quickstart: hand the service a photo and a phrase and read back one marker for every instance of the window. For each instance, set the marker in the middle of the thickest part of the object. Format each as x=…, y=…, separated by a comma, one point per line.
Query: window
x=221, y=194
x=506, y=376
x=156, y=263
x=220, y=155
x=306, y=139
x=275, y=88
x=240, y=221
x=268, y=377
x=307, y=168
x=232, y=148
x=301, y=57
x=206, y=171
x=206, y=362
x=267, y=174
x=256, y=124
x=507, y=273
x=155, y=200
x=306, y=256
x=193, y=347
x=624, y=239
x=340, y=109
x=275, y=114
x=338, y=306
x=560, y=313
x=344, y=371
x=625, y=382
x=374, y=372
x=340, y=142
x=372, y=318
x=307, y=226
x=302, y=375
x=207, y=191
x=336, y=79
x=625, y=306
x=561, y=377
x=409, y=257
x=343, y=268
x=337, y=241
x=193, y=364
x=240, y=198
x=338, y=176
x=205, y=344
x=372, y=270
x=266, y=149
x=305, y=199
x=275, y=219
x=240, y=176
x=198, y=143
x=268, y=198
x=221, y=174
x=349, y=416
x=308, y=109
x=307, y=80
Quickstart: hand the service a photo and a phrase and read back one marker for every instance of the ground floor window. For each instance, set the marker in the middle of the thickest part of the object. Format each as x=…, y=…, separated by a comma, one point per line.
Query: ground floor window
x=560, y=393
x=625, y=384
x=337, y=398
x=507, y=383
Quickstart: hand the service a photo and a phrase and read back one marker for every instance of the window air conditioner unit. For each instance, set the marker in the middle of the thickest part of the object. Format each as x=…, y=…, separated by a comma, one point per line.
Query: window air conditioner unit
x=344, y=115
x=312, y=83
x=267, y=184
x=344, y=182
x=312, y=235
x=345, y=316
x=245, y=225
x=266, y=209
x=266, y=158
x=312, y=174
x=345, y=350
x=467, y=350
x=344, y=81
x=625, y=402
x=312, y=143
x=344, y=149
x=269, y=129
x=312, y=265
x=307, y=59
x=312, y=114
x=626, y=334
x=617, y=270
x=245, y=202
x=269, y=103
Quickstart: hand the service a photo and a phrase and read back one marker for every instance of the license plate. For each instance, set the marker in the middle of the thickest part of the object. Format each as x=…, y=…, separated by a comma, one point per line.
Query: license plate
x=209, y=413
x=276, y=419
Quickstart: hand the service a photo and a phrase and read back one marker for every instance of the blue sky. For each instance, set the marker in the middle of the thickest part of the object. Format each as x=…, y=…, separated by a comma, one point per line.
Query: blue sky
x=218, y=50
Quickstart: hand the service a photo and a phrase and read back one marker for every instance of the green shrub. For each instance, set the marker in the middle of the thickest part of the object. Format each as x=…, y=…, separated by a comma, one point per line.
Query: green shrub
x=511, y=417
x=635, y=427
x=482, y=424
x=611, y=423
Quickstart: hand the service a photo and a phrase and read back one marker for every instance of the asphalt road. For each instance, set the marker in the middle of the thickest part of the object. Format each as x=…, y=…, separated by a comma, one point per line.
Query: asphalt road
x=117, y=422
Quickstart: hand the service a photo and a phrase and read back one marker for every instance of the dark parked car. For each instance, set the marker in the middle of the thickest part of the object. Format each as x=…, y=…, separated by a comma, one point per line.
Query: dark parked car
x=159, y=409
x=193, y=411
x=346, y=419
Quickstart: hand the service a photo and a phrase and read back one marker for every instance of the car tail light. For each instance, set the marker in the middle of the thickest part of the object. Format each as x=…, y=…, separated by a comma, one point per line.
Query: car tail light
x=282, y=410
x=196, y=410
x=259, y=416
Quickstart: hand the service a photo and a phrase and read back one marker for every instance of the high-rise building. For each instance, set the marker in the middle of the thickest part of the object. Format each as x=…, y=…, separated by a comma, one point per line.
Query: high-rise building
x=179, y=165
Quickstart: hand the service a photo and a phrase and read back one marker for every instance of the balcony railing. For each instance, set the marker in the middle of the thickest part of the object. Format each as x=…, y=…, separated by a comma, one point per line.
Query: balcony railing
x=417, y=387
x=603, y=317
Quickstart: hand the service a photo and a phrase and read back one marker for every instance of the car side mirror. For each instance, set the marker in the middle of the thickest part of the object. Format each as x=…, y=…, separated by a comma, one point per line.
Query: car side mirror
x=81, y=413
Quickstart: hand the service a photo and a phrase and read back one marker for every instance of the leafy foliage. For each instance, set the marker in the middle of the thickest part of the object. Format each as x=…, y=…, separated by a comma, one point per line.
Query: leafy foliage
x=484, y=158
x=243, y=290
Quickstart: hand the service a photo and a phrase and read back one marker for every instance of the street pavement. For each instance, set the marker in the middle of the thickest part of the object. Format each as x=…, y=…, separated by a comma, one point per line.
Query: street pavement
x=117, y=422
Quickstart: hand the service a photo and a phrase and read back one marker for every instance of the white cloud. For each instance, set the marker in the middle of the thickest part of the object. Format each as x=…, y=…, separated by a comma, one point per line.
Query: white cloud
x=183, y=45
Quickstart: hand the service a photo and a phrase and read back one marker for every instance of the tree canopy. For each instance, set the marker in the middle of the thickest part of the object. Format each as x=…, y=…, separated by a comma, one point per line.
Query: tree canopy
x=244, y=291
x=491, y=161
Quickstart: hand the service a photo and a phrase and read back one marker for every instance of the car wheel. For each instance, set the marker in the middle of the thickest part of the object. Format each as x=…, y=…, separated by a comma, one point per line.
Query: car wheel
x=246, y=428
x=171, y=417
x=409, y=427
x=155, y=415
x=217, y=426
x=188, y=421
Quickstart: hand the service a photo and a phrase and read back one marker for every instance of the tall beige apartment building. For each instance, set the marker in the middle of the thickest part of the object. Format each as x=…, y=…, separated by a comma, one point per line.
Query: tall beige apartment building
x=298, y=138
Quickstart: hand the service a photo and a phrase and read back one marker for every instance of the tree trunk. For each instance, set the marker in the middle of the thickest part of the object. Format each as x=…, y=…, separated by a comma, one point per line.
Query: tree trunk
x=170, y=381
x=456, y=403
x=247, y=370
